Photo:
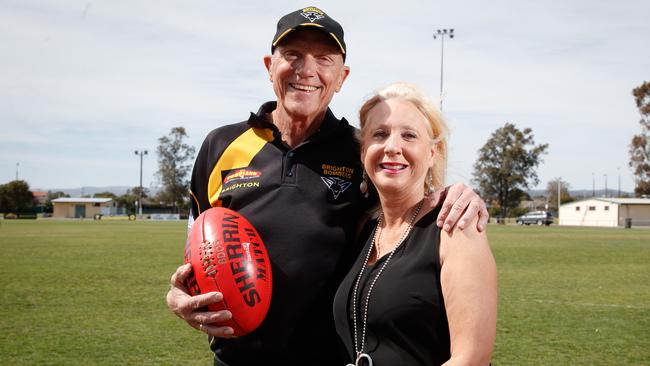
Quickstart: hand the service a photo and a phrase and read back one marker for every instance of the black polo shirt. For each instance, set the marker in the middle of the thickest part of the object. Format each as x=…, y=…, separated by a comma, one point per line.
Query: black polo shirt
x=305, y=203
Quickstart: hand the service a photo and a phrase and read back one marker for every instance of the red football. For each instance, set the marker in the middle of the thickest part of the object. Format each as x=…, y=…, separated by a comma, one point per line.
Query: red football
x=228, y=255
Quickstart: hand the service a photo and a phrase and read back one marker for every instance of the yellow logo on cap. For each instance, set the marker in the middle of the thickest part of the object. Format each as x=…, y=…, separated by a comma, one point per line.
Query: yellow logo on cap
x=312, y=13
x=313, y=9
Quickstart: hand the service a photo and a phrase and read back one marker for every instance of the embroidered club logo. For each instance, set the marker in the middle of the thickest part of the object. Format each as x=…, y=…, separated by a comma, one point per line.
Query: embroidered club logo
x=312, y=14
x=336, y=185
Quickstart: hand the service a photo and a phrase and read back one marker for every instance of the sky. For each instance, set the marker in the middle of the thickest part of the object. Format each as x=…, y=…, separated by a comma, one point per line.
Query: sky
x=83, y=84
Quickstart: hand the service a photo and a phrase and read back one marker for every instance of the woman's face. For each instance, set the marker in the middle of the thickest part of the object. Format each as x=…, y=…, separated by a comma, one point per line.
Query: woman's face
x=397, y=148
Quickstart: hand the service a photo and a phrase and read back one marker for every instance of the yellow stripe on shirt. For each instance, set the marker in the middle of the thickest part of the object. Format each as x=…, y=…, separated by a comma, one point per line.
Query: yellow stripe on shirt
x=238, y=154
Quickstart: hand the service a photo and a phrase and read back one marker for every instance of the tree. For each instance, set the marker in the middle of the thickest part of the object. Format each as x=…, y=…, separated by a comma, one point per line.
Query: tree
x=49, y=207
x=174, y=166
x=127, y=200
x=506, y=164
x=15, y=197
x=551, y=190
x=640, y=145
x=140, y=191
x=110, y=195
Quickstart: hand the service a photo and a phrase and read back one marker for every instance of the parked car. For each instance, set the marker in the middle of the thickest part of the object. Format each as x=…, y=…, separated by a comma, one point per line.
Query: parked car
x=535, y=217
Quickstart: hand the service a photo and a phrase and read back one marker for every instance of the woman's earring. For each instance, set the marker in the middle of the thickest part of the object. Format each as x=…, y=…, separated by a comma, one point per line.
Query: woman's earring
x=429, y=184
x=363, y=187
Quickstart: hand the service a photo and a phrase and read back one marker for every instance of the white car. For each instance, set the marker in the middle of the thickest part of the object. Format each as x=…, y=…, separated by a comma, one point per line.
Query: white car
x=535, y=217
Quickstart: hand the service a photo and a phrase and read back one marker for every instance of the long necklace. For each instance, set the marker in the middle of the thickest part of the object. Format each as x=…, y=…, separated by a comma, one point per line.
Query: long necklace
x=358, y=346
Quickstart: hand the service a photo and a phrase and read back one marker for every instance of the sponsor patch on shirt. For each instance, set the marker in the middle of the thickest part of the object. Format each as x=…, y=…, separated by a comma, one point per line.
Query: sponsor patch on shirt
x=242, y=174
x=241, y=178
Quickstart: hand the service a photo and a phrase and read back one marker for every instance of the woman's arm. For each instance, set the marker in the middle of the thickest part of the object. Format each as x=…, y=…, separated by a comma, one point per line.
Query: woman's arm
x=469, y=286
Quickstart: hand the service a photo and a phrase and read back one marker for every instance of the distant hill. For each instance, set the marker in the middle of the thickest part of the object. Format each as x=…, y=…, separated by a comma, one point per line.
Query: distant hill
x=120, y=190
x=85, y=191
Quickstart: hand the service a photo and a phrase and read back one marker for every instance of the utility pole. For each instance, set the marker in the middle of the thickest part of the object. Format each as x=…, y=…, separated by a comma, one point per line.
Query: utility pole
x=619, y=182
x=559, y=193
x=140, y=153
x=605, y=185
x=17, y=164
x=442, y=33
x=593, y=184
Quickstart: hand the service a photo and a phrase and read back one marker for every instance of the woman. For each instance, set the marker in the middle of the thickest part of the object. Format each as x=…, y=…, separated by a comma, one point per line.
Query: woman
x=416, y=295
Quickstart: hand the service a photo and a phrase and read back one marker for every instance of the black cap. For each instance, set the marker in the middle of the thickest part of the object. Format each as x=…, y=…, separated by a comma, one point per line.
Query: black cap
x=310, y=16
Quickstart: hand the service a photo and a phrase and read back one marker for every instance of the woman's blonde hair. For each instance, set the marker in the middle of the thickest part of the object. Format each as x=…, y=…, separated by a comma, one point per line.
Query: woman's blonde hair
x=436, y=123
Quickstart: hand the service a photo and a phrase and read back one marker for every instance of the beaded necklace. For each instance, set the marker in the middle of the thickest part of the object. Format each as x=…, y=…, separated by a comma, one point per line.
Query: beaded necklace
x=358, y=346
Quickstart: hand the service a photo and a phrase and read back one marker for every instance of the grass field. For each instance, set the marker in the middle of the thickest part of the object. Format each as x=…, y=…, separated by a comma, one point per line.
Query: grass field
x=92, y=293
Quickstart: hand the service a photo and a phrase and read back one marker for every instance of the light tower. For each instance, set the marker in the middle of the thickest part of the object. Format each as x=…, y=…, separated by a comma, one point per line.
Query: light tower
x=441, y=33
x=140, y=153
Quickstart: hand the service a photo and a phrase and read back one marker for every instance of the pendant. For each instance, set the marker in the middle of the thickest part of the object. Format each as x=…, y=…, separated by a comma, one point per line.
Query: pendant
x=360, y=358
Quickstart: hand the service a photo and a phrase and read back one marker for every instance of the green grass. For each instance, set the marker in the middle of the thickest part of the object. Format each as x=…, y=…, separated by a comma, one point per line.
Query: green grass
x=92, y=293
x=572, y=296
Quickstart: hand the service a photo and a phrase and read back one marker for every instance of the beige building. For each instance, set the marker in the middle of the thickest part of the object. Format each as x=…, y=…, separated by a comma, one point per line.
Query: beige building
x=611, y=212
x=71, y=207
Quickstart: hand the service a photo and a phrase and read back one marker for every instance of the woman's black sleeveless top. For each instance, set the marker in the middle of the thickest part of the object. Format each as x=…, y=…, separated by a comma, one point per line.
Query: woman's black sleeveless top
x=407, y=322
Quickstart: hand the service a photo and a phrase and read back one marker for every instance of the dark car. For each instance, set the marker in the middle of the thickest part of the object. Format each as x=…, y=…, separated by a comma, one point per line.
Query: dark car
x=535, y=217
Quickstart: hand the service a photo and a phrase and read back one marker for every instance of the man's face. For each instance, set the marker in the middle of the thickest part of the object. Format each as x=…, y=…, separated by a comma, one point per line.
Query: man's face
x=306, y=70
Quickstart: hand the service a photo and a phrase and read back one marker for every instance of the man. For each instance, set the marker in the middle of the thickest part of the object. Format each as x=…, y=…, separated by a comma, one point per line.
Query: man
x=293, y=169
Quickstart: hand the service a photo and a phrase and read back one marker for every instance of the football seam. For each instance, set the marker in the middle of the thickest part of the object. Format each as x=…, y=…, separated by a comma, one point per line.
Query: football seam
x=223, y=298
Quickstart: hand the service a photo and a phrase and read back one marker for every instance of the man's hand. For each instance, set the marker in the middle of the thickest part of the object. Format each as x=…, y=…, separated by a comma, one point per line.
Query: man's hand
x=460, y=202
x=192, y=308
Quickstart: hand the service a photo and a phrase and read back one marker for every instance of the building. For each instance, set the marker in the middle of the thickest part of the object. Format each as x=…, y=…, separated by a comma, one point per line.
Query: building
x=611, y=212
x=75, y=207
x=40, y=198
